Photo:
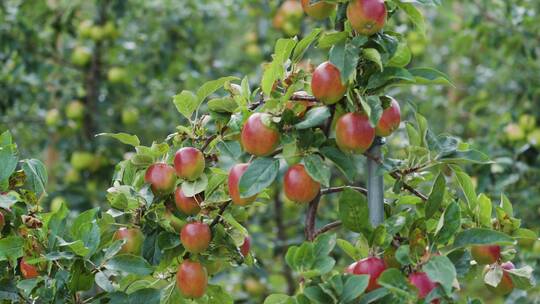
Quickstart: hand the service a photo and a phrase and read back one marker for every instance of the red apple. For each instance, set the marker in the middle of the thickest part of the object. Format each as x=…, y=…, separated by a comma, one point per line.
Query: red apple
x=367, y=16
x=350, y=269
x=354, y=133
x=423, y=283
x=188, y=205
x=486, y=254
x=373, y=267
x=244, y=249
x=390, y=119
x=319, y=10
x=326, y=83
x=28, y=271
x=189, y=163
x=259, y=136
x=2, y=221
x=161, y=177
x=299, y=186
x=234, y=179
x=506, y=285
x=196, y=237
x=192, y=279
x=133, y=237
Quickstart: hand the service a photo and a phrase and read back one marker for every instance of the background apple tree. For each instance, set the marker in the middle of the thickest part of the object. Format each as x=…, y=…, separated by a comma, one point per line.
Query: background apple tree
x=260, y=194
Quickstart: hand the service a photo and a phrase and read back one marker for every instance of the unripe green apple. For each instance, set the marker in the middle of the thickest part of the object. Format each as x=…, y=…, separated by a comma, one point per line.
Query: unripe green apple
x=527, y=122
x=253, y=50
x=534, y=138
x=486, y=254
x=85, y=28
x=367, y=17
x=134, y=239
x=196, y=237
x=189, y=163
x=299, y=187
x=97, y=33
x=28, y=271
x=187, y=205
x=234, y=179
x=254, y=287
x=52, y=118
x=326, y=83
x=72, y=176
x=192, y=279
x=514, y=132
x=117, y=75
x=81, y=56
x=161, y=177
x=505, y=285
x=319, y=10
x=130, y=115
x=288, y=17
x=354, y=133
x=75, y=110
x=402, y=56
x=259, y=136
x=81, y=160
x=390, y=119
x=373, y=267
x=423, y=284
x=110, y=31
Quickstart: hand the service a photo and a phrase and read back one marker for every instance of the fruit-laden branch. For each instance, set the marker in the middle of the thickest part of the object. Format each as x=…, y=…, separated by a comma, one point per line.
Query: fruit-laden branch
x=339, y=189
x=218, y=217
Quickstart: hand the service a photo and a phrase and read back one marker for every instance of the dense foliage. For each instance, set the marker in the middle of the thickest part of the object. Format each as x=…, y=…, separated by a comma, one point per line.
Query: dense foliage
x=222, y=198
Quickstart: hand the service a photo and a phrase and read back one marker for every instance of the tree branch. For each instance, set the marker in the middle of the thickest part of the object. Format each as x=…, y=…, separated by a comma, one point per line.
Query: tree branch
x=339, y=189
x=327, y=228
x=218, y=217
x=311, y=215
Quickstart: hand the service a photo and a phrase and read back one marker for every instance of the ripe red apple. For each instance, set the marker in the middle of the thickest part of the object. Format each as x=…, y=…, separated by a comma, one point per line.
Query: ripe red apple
x=189, y=163
x=354, y=133
x=28, y=271
x=390, y=119
x=133, y=237
x=161, y=177
x=244, y=249
x=366, y=16
x=319, y=10
x=196, y=237
x=423, y=283
x=234, y=178
x=350, y=269
x=326, y=83
x=373, y=267
x=259, y=136
x=486, y=254
x=188, y=205
x=506, y=285
x=2, y=221
x=192, y=279
x=299, y=186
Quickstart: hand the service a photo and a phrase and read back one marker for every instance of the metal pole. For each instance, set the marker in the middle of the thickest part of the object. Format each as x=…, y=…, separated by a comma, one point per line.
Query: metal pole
x=375, y=184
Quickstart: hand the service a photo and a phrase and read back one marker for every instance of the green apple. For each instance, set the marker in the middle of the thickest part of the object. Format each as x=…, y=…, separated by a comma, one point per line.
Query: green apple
x=110, y=31
x=97, y=33
x=75, y=110
x=81, y=160
x=72, y=176
x=534, y=138
x=130, y=115
x=527, y=122
x=85, y=28
x=81, y=56
x=52, y=118
x=514, y=132
x=117, y=75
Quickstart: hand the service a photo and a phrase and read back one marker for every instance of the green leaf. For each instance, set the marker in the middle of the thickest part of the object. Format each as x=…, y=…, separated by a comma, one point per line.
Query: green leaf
x=191, y=188
x=124, y=138
x=449, y=223
x=354, y=211
x=278, y=299
x=468, y=156
x=403, y=255
x=430, y=76
x=9, y=199
x=345, y=57
x=415, y=15
x=344, y=162
x=130, y=264
x=389, y=75
x=328, y=39
x=317, y=169
x=481, y=236
x=485, y=209
x=436, y=196
x=76, y=247
x=506, y=205
x=401, y=57
x=222, y=105
x=349, y=249
x=230, y=148
x=145, y=296
x=304, y=44
x=186, y=103
x=314, y=117
x=466, y=185
x=374, y=56
x=8, y=159
x=440, y=269
x=324, y=244
x=373, y=108
x=210, y=87
x=522, y=278
x=355, y=285
x=317, y=295
x=276, y=70
x=11, y=248
x=260, y=174
x=393, y=280
x=36, y=175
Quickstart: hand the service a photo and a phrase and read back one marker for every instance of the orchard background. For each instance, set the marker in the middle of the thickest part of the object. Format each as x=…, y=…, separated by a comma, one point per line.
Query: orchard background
x=75, y=69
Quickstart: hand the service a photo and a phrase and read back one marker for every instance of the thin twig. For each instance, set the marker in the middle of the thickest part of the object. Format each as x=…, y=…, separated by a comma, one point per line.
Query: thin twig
x=327, y=228
x=339, y=189
x=222, y=208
